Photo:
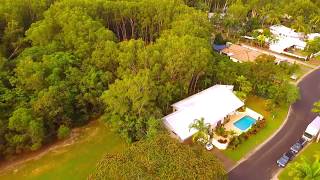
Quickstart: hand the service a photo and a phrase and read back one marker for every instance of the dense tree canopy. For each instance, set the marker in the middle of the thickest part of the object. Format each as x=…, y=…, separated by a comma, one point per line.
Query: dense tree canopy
x=160, y=158
x=65, y=62
x=313, y=46
x=238, y=17
x=77, y=59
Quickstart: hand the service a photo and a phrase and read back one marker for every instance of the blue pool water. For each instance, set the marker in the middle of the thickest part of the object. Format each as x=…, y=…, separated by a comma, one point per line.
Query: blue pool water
x=244, y=123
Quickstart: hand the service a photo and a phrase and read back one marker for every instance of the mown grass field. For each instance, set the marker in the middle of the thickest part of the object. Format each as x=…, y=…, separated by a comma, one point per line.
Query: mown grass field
x=259, y=105
x=75, y=161
x=308, y=153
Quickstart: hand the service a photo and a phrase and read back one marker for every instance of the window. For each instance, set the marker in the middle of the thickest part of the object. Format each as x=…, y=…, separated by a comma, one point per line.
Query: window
x=307, y=135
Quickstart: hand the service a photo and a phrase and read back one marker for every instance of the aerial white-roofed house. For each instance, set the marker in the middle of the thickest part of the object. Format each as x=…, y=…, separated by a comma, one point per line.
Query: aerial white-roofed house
x=212, y=104
x=287, y=39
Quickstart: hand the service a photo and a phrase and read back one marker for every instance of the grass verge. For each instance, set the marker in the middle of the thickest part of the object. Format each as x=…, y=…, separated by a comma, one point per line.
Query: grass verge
x=303, y=70
x=259, y=105
x=74, y=161
x=308, y=153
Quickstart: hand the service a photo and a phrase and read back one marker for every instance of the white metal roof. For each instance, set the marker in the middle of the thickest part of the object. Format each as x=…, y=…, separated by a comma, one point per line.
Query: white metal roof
x=287, y=37
x=212, y=104
x=314, y=127
x=286, y=42
x=285, y=31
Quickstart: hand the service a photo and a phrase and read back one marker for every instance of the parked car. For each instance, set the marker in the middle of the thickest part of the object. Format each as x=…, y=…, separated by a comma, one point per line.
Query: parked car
x=285, y=158
x=296, y=147
x=209, y=146
x=302, y=141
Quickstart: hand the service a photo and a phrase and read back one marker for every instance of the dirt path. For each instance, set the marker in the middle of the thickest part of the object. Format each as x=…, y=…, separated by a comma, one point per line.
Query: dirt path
x=21, y=159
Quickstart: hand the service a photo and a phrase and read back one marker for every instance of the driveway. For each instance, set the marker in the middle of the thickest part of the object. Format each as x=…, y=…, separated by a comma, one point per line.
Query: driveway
x=262, y=164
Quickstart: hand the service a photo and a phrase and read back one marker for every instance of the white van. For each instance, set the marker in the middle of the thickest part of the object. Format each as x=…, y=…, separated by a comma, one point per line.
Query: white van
x=312, y=130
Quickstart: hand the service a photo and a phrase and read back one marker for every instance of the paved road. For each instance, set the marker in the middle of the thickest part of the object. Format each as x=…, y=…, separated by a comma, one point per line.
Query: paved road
x=262, y=164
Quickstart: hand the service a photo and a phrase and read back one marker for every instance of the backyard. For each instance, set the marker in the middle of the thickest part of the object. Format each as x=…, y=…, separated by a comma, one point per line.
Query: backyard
x=259, y=105
x=74, y=161
x=308, y=153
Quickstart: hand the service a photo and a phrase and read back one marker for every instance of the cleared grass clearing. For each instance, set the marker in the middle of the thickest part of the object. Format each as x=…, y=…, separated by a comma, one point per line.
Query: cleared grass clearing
x=75, y=161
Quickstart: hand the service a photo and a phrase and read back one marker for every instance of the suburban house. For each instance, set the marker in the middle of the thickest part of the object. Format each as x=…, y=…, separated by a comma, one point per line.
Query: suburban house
x=238, y=53
x=218, y=105
x=288, y=39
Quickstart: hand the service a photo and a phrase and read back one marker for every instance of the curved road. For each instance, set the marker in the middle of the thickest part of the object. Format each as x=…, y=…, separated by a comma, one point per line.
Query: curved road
x=262, y=164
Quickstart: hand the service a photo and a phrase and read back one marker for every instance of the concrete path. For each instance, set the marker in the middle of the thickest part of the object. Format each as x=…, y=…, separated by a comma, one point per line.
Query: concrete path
x=278, y=56
x=261, y=164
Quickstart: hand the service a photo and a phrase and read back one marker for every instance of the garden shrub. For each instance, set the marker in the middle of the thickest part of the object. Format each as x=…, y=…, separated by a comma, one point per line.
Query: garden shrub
x=63, y=132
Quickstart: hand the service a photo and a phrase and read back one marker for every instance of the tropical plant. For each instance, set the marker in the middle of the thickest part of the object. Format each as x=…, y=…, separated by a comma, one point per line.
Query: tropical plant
x=221, y=131
x=235, y=142
x=305, y=169
x=232, y=133
x=315, y=21
x=203, y=130
x=316, y=107
x=261, y=40
x=299, y=25
x=244, y=87
x=313, y=46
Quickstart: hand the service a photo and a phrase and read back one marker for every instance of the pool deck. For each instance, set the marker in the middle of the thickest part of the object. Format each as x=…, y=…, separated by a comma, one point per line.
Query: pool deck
x=235, y=117
x=231, y=127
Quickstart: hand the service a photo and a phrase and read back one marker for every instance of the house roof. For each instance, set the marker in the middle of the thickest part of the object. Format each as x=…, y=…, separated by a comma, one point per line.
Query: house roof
x=314, y=127
x=286, y=42
x=212, y=104
x=285, y=31
x=286, y=37
x=241, y=53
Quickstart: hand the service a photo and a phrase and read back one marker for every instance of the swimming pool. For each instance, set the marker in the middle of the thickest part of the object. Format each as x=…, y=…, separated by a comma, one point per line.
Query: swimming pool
x=244, y=123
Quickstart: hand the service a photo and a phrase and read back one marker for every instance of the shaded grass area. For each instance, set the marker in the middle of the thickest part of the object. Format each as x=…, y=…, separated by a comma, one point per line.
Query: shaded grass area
x=75, y=161
x=259, y=105
x=308, y=153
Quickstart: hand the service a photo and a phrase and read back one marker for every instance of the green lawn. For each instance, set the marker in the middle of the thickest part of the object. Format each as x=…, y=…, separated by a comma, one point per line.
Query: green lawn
x=308, y=153
x=258, y=105
x=75, y=161
x=303, y=70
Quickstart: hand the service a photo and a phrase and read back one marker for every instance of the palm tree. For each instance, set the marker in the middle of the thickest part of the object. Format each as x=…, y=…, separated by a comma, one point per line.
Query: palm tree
x=261, y=40
x=305, y=169
x=203, y=129
x=315, y=21
x=272, y=18
x=299, y=25
x=264, y=12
